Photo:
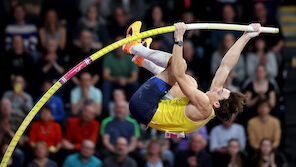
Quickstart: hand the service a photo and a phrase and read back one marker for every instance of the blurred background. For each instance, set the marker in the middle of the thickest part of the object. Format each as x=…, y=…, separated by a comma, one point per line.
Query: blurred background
x=87, y=122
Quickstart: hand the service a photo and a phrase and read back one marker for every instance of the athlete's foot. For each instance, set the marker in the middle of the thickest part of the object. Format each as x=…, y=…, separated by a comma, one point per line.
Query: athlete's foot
x=137, y=59
x=133, y=29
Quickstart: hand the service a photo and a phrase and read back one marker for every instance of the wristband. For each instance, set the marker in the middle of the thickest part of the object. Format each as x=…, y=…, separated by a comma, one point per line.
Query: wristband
x=180, y=43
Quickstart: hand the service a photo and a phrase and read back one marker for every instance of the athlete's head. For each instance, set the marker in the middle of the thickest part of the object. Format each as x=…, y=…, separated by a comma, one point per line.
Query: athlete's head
x=226, y=103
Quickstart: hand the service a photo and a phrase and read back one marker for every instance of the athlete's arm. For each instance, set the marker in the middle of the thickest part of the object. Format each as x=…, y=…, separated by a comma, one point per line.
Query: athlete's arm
x=196, y=97
x=231, y=57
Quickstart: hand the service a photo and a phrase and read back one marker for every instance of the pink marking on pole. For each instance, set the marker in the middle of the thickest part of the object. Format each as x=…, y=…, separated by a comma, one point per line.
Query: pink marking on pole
x=75, y=70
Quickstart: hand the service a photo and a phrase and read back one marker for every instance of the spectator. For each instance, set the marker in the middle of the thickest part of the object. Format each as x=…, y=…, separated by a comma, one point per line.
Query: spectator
x=227, y=1
x=228, y=13
x=199, y=8
x=33, y=11
x=81, y=128
x=5, y=119
x=167, y=156
x=264, y=126
x=188, y=53
x=46, y=130
x=53, y=30
x=21, y=101
x=121, y=125
x=155, y=19
x=8, y=124
x=118, y=72
x=154, y=156
x=19, y=62
x=228, y=16
x=221, y=134
x=121, y=158
x=85, y=158
x=118, y=23
x=275, y=41
x=67, y=10
x=195, y=50
x=134, y=9
x=41, y=156
x=19, y=27
x=85, y=5
x=85, y=94
x=261, y=56
x=18, y=157
x=260, y=89
x=92, y=23
x=183, y=143
x=267, y=156
x=196, y=155
x=81, y=50
x=199, y=38
x=196, y=36
x=51, y=63
x=237, y=158
x=233, y=158
x=239, y=70
x=55, y=102
x=118, y=96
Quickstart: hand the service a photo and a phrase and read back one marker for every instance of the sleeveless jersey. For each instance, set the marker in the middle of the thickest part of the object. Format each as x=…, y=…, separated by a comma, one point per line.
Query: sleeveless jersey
x=170, y=116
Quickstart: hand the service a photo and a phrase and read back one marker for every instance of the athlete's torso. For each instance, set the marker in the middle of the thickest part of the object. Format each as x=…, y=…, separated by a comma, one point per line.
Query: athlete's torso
x=170, y=116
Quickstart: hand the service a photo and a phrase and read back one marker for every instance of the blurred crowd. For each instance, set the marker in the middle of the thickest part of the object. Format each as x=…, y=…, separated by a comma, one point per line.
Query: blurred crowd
x=87, y=122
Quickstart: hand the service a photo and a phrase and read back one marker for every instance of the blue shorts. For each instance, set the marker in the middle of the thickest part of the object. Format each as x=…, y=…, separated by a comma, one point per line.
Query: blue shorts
x=144, y=102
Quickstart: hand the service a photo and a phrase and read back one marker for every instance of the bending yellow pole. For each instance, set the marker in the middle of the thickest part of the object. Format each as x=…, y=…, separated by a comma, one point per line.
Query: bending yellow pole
x=82, y=65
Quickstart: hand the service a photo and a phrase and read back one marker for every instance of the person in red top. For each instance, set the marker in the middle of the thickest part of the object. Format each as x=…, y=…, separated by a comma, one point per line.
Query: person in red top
x=46, y=130
x=81, y=128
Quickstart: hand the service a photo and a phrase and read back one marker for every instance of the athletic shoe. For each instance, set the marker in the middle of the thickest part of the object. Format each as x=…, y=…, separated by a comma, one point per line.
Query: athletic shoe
x=133, y=29
x=137, y=60
x=147, y=42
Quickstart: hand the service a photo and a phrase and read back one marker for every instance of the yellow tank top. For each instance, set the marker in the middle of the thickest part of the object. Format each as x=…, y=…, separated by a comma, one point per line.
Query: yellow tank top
x=170, y=116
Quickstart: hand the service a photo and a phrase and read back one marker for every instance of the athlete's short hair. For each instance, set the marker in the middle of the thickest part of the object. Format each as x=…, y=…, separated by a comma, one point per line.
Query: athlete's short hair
x=230, y=107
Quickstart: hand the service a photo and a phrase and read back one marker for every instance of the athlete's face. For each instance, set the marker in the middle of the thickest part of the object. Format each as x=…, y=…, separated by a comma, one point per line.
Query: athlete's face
x=218, y=94
x=222, y=93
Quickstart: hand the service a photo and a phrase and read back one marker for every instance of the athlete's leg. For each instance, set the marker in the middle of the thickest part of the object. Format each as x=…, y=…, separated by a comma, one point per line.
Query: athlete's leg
x=160, y=58
x=144, y=102
x=147, y=64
